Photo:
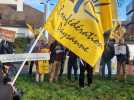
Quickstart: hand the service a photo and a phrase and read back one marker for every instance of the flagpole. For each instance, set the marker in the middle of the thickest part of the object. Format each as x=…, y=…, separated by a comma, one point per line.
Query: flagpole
x=22, y=65
x=45, y=17
x=35, y=42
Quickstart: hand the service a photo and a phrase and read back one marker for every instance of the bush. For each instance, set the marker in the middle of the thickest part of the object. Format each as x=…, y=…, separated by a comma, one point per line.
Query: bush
x=21, y=44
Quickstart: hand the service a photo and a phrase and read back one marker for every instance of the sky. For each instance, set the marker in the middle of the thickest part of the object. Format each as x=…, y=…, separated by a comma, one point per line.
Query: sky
x=36, y=4
x=122, y=9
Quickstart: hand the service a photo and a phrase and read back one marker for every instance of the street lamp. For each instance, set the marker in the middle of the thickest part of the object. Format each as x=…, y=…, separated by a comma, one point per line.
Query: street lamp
x=45, y=11
x=46, y=7
x=46, y=3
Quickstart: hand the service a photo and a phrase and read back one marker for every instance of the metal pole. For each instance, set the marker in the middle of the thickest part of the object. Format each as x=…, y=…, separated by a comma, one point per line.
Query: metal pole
x=22, y=65
x=45, y=12
x=45, y=17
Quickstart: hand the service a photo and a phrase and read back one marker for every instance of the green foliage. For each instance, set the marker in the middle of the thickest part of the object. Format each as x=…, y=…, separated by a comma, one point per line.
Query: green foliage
x=69, y=90
x=21, y=44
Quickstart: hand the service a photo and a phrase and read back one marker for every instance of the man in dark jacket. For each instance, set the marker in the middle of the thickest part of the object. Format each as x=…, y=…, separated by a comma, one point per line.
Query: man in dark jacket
x=56, y=56
x=107, y=55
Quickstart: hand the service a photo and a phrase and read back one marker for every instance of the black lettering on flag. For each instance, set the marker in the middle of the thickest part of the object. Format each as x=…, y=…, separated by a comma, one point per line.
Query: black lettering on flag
x=88, y=12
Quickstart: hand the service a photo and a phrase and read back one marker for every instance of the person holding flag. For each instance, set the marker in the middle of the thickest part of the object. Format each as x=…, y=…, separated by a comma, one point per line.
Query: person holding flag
x=78, y=28
x=107, y=55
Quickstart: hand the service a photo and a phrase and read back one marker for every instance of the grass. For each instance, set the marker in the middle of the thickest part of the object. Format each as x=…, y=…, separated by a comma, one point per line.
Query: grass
x=69, y=90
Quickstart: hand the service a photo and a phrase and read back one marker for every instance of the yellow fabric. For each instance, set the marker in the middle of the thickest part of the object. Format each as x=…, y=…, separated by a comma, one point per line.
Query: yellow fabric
x=106, y=14
x=114, y=10
x=113, y=33
x=77, y=29
x=35, y=32
x=43, y=66
x=30, y=28
x=117, y=33
x=44, y=50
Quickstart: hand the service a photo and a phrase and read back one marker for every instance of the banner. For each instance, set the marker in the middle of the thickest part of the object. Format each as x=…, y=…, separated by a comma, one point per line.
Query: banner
x=74, y=24
x=7, y=35
x=21, y=57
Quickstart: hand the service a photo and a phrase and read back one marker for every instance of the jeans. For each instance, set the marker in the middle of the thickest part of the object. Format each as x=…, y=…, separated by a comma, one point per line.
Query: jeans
x=108, y=63
x=72, y=64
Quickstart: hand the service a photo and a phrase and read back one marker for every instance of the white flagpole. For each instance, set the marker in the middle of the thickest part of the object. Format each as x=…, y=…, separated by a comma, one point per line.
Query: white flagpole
x=22, y=65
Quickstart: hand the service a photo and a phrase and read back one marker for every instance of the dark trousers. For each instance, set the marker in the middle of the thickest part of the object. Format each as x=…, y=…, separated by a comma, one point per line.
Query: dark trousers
x=89, y=69
x=62, y=67
x=108, y=63
x=31, y=67
x=72, y=64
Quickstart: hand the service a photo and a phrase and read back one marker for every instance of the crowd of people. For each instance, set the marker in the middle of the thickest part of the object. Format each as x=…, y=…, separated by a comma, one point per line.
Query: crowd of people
x=59, y=54
x=119, y=50
x=54, y=68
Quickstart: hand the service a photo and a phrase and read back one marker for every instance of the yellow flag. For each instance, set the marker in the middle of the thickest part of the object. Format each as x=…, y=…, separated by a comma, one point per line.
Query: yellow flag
x=35, y=32
x=113, y=35
x=114, y=11
x=106, y=14
x=118, y=32
x=75, y=25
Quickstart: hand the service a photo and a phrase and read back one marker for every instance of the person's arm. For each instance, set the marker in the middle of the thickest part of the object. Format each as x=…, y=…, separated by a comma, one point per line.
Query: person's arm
x=52, y=46
x=127, y=52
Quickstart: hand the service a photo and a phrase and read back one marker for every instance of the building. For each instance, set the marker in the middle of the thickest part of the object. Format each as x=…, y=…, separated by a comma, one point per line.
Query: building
x=16, y=21
x=130, y=18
